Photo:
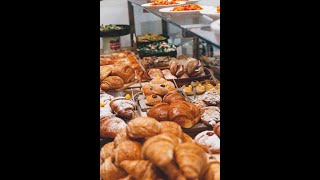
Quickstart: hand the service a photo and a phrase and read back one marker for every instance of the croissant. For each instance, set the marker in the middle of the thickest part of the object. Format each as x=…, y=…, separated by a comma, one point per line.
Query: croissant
x=123, y=107
x=111, y=82
x=191, y=159
x=212, y=172
x=129, y=177
x=121, y=137
x=171, y=127
x=141, y=127
x=107, y=151
x=125, y=72
x=184, y=113
x=104, y=72
x=159, y=112
x=140, y=169
x=127, y=150
x=168, y=98
x=159, y=150
x=108, y=171
x=186, y=138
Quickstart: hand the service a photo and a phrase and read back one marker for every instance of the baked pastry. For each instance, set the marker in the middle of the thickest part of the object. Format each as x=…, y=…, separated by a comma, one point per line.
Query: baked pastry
x=217, y=87
x=111, y=82
x=159, y=150
x=123, y=107
x=127, y=150
x=186, y=138
x=184, y=113
x=107, y=151
x=194, y=67
x=159, y=112
x=158, y=80
x=160, y=90
x=171, y=87
x=142, y=127
x=104, y=72
x=209, y=141
x=209, y=87
x=171, y=127
x=199, y=103
x=176, y=68
x=212, y=171
x=216, y=129
x=200, y=89
x=129, y=177
x=108, y=171
x=210, y=115
x=105, y=112
x=167, y=74
x=106, y=98
x=168, y=98
x=191, y=159
x=101, y=161
x=121, y=137
x=183, y=76
x=140, y=169
x=211, y=98
x=147, y=89
x=188, y=90
x=109, y=128
x=106, y=60
x=125, y=72
x=152, y=100
x=155, y=73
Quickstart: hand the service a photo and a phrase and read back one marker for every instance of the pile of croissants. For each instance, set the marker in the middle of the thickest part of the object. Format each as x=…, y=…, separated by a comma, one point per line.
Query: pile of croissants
x=151, y=150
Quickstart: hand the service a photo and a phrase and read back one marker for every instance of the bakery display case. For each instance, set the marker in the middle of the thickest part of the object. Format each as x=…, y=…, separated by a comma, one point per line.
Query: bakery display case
x=160, y=97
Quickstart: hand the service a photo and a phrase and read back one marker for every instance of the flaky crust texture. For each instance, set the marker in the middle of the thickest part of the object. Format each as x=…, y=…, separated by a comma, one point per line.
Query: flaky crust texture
x=104, y=72
x=125, y=72
x=184, y=113
x=212, y=172
x=140, y=169
x=127, y=150
x=108, y=171
x=107, y=151
x=169, y=98
x=142, y=127
x=160, y=112
x=111, y=82
x=191, y=159
x=171, y=127
x=109, y=128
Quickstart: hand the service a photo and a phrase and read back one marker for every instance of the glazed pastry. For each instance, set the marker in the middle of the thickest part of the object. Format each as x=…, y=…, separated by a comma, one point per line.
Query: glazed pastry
x=171, y=88
x=187, y=90
x=111, y=82
x=167, y=74
x=104, y=72
x=216, y=129
x=191, y=159
x=108, y=171
x=186, y=138
x=142, y=127
x=125, y=72
x=160, y=90
x=168, y=98
x=185, y=75
x=209, y=87
x=209, y=141
x=123, y=107
x=184, y=113
x=212, y=171
x=147, y=89
x=200, y=89
x=155, y=73
x=211, y=98
x=159, y=112
x=158, y=80
x=171, y=127
x=159, y=150
x=199, y=103
x=140, y=169
x=127, y=150
x=194, y=67
x=107, y=151
x=152, y=100
x=109, y=128
x=210, y=115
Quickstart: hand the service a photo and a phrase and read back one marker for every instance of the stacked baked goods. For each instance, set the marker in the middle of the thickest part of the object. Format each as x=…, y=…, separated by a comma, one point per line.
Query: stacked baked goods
x=199, y=88
x=210, y=140
x=113, y=114
x=151, y=150
x=155, y=90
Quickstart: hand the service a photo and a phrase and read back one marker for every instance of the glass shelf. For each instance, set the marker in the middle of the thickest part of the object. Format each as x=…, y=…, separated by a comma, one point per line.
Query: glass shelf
x=198, y=26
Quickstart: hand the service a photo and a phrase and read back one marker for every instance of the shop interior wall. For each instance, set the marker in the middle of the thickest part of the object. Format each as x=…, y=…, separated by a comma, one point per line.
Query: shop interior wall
x=116, y=12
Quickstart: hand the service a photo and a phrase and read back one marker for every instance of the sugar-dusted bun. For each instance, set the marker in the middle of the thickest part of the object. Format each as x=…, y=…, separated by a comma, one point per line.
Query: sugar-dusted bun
x=211, y=98
x=142, y=127
x=210, y=115
x=123, y=107
x=168, y=98
x=216, y=129
x=159, y=112
x=209, y=141
x=152, y=100
x=109, y=128
x=171, y=127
